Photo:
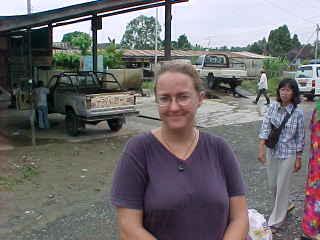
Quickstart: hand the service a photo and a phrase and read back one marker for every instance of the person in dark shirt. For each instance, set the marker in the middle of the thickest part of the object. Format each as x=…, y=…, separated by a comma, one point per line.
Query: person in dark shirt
x=176, y=182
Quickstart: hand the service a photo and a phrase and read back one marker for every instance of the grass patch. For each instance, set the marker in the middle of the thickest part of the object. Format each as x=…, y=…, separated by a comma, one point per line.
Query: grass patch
x=273, y=85
x=9, y=182
x=249, y=85
x=29, y=171
x=23, y=174
x=148, y=85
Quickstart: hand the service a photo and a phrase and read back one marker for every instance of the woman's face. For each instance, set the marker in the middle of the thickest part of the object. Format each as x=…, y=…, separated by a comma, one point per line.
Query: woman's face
x=286, y=94
x=177, y=100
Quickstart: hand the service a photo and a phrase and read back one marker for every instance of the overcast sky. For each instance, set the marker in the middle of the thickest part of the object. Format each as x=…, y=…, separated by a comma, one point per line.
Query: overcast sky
x=211, y=23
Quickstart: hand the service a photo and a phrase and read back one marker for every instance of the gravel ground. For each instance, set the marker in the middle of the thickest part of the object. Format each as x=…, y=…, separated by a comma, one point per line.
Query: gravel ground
x=60, y=204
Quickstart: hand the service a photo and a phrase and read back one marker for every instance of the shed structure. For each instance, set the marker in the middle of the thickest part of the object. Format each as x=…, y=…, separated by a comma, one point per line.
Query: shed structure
x=26, y=40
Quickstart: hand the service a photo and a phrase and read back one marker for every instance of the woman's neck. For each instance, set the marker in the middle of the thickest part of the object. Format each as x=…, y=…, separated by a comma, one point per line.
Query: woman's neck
x=181, y=135
x=284, y=104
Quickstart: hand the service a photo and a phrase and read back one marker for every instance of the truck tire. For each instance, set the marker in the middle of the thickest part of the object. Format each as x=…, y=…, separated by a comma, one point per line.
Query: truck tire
x=211, y=81
x=115, y=124
x=72, y=123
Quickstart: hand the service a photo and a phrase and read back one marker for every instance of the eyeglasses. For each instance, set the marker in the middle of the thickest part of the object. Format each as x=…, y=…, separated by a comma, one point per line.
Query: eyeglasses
x=182, y=100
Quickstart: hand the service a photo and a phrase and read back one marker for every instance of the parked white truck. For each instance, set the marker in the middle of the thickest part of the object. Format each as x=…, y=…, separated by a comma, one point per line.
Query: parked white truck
x=215, y=69
x=89, y=98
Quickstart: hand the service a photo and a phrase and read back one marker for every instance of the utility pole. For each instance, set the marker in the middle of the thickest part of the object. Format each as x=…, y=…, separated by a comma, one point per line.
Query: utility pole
x=316, y=48
x=29, y=6
x=156, y=40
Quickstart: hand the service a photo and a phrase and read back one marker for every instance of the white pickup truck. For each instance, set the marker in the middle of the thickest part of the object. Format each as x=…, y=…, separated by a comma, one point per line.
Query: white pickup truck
x=89, y=98
x=215, y=69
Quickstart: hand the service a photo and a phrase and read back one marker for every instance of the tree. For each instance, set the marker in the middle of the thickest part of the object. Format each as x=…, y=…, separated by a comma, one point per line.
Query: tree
x=224, y=48
x=279, y=42
x=295, y=43
x=78, y=39
x=112, y=55
x=258, y=47
x=140, y=33
x=183, y=43
x=174, y=44
x=69, y=61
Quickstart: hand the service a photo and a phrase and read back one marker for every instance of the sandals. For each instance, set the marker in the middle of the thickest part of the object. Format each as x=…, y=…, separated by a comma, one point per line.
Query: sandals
x=274, y=229
x=290, y=208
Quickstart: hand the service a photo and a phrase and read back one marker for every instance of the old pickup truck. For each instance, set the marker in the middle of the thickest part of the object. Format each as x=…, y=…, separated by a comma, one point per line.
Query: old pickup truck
x=215, y=69
x=89, y=98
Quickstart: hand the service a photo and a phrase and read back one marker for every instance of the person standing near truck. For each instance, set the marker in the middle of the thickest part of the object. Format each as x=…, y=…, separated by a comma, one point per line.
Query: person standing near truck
x=263, y=88
x=40, y=100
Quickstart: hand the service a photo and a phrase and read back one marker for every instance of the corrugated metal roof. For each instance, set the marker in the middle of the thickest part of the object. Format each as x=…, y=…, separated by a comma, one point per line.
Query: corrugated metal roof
x=191, y=53
x=174, y=53
x=62, y=46
x=251, y=55
x=10, y=23
x=135, y=53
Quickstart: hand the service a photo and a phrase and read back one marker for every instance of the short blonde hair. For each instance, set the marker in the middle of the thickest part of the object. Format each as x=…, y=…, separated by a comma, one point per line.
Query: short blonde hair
x=179, y=66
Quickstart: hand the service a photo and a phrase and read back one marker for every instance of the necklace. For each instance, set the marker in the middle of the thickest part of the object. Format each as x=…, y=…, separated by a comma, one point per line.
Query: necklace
x=180, y=162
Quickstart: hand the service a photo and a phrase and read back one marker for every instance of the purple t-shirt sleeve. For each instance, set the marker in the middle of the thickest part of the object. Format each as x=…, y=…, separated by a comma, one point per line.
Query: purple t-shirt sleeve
x=231, y=168
x=130, y=177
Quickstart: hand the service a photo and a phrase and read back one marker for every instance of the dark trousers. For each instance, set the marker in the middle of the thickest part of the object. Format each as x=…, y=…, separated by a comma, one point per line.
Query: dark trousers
x=265, y=94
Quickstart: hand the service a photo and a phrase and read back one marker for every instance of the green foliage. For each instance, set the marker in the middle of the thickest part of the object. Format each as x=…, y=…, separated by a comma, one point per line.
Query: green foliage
x=112, y=56
x=224, y=48
x=183, y=42
x=140, y=33
x=66, y=60
x=29, y=171
x=258, y=47
x=78, y=39
x=279, y=42
x=198, y=47
x=295, y=43
x=274, y=70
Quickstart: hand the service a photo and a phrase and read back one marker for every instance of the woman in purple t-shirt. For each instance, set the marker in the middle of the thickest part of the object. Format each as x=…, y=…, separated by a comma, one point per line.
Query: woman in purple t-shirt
x=175, y=182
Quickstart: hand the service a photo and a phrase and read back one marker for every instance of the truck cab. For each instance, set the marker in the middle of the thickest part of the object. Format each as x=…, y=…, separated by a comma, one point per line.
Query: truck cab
x=215, y=69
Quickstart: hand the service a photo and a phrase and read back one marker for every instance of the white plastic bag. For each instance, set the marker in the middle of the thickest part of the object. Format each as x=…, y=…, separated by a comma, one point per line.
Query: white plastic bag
x=258, y=226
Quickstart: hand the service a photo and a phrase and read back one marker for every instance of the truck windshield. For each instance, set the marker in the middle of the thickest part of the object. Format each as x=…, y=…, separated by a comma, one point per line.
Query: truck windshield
x=304, y=72
x=215, y=60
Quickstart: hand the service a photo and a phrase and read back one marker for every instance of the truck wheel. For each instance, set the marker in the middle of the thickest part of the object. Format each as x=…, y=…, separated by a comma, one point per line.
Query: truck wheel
x=115, y=124
x=72, y=123
x=211, y=81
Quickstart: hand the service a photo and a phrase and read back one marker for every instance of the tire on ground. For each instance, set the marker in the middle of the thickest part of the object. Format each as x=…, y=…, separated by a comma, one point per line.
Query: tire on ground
x=72, y=123
x=211, y=81
x=115, y=124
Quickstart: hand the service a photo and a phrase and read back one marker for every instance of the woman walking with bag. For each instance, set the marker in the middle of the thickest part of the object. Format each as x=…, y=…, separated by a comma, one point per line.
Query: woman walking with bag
x=284, y=157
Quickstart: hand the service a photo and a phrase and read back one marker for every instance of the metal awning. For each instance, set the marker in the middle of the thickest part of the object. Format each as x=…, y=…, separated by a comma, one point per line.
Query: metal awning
x=78, y=12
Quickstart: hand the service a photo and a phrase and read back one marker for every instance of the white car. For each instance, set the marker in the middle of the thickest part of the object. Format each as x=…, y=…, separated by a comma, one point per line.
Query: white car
x=306, y=77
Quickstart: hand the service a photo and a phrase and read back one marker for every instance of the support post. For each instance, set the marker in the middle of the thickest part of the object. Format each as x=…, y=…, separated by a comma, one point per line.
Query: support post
x=167, y=39
x=156, y=41
x=317, y=41
x=94, y=43
x=30, y=71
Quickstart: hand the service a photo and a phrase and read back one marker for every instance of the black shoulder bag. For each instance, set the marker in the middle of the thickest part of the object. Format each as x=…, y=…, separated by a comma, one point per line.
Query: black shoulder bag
x=274, y=135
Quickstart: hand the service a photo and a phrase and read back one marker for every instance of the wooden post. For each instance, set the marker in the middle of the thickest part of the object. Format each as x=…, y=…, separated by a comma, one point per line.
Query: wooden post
x=167, y=39
x=94, y=43
x=30, y=70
